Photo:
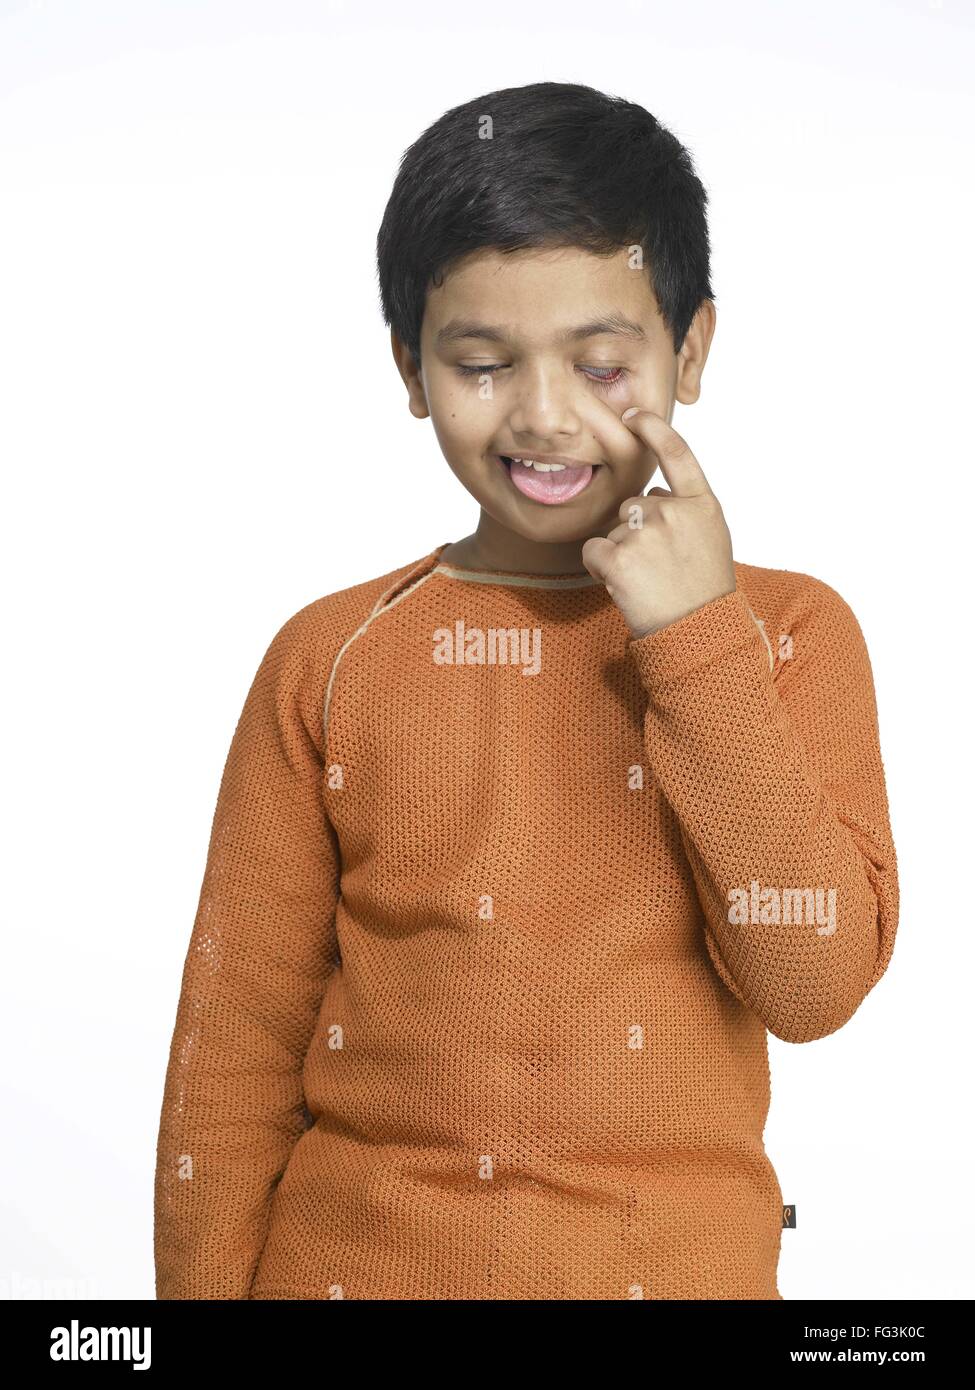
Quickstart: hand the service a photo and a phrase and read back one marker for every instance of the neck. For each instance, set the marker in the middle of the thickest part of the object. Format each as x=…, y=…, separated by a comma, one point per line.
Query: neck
x=495, y=547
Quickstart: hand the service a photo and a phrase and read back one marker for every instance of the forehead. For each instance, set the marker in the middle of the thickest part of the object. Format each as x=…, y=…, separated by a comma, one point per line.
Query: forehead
x=537, y=293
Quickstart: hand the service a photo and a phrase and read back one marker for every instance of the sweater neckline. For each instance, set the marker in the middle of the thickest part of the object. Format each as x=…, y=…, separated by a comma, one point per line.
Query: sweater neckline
x=516, y=578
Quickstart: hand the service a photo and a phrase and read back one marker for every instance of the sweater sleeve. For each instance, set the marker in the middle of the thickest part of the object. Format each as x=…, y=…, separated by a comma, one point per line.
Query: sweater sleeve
x=776, y=780
x=262, y=948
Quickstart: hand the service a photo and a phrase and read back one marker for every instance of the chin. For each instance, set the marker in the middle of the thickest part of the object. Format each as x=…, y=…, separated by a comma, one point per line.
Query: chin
x=553, y=530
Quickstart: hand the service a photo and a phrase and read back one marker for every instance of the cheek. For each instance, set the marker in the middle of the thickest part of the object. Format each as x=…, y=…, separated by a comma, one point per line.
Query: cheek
x=648, y=389
x=463, y=416
x=600, y=413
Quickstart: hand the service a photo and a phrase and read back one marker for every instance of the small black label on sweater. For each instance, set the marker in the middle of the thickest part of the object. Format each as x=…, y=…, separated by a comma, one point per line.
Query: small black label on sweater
x=789, y=1218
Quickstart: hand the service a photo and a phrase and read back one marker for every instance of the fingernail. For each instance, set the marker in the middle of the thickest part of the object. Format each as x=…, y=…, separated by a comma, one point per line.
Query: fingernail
x=627, y=413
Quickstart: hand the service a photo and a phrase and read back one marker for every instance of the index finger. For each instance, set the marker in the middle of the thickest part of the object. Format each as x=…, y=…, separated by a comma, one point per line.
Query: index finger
x=613, y=437
x=685, y=476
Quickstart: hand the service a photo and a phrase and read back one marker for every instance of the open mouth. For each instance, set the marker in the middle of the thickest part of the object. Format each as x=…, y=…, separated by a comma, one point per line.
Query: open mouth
x=551, y=484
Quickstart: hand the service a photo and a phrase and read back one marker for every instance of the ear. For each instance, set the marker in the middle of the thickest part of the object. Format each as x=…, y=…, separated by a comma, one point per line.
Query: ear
x=410, y=373
x=694, y=353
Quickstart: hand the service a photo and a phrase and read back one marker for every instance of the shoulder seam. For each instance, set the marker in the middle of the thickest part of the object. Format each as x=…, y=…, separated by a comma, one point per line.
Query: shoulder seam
x=378, y=608
x=760, y=624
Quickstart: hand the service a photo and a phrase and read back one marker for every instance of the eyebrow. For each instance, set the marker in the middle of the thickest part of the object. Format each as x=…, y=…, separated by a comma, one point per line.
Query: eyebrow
x=617, y=324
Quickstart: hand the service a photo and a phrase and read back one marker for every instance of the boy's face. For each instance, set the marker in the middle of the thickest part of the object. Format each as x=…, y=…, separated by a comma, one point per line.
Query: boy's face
x=538, y=352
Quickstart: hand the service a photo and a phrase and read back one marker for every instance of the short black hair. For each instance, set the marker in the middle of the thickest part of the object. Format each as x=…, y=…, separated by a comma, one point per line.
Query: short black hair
x=565, y=165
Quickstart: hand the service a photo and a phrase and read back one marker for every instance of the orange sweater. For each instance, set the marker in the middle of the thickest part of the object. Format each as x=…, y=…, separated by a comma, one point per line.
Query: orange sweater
x=476, y=999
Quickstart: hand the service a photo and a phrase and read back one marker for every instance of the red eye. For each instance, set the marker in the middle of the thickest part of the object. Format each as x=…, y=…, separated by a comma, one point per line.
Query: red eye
x=614, y=377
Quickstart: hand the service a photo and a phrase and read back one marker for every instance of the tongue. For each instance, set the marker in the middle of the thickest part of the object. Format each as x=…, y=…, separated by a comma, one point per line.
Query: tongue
x=558, y=486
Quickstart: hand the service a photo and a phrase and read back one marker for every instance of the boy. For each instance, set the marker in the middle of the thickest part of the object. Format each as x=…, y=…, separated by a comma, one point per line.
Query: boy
x=521, y=848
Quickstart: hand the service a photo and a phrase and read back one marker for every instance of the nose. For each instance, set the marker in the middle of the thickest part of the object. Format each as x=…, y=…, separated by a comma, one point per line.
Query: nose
x=543, y=404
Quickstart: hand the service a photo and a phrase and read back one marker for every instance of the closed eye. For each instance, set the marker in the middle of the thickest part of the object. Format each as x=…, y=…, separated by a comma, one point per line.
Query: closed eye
x=615, y=375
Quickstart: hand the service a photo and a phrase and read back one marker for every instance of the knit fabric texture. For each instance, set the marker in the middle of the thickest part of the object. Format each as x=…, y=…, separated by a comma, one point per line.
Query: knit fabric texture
x=499, y=906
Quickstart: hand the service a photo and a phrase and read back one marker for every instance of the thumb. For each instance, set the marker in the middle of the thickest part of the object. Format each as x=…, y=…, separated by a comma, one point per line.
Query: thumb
x=597, y=556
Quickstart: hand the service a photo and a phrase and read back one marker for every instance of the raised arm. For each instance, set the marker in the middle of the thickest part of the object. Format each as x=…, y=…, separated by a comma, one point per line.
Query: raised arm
x=777, y=783
x=262, y=948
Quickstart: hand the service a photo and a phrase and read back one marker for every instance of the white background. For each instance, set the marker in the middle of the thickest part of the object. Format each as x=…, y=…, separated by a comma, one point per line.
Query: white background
x=202, y=430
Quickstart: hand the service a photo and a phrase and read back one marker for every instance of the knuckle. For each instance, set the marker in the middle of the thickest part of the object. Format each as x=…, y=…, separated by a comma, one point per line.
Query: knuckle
x=674, y=447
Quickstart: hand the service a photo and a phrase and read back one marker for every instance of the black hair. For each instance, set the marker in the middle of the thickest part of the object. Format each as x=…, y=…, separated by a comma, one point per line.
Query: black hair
x=564, y=165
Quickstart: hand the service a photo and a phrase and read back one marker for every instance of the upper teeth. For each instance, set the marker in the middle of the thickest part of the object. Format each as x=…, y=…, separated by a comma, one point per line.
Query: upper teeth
x=541, y=467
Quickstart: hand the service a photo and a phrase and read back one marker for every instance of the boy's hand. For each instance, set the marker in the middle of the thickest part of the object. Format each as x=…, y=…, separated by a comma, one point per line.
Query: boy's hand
x=671, y=554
